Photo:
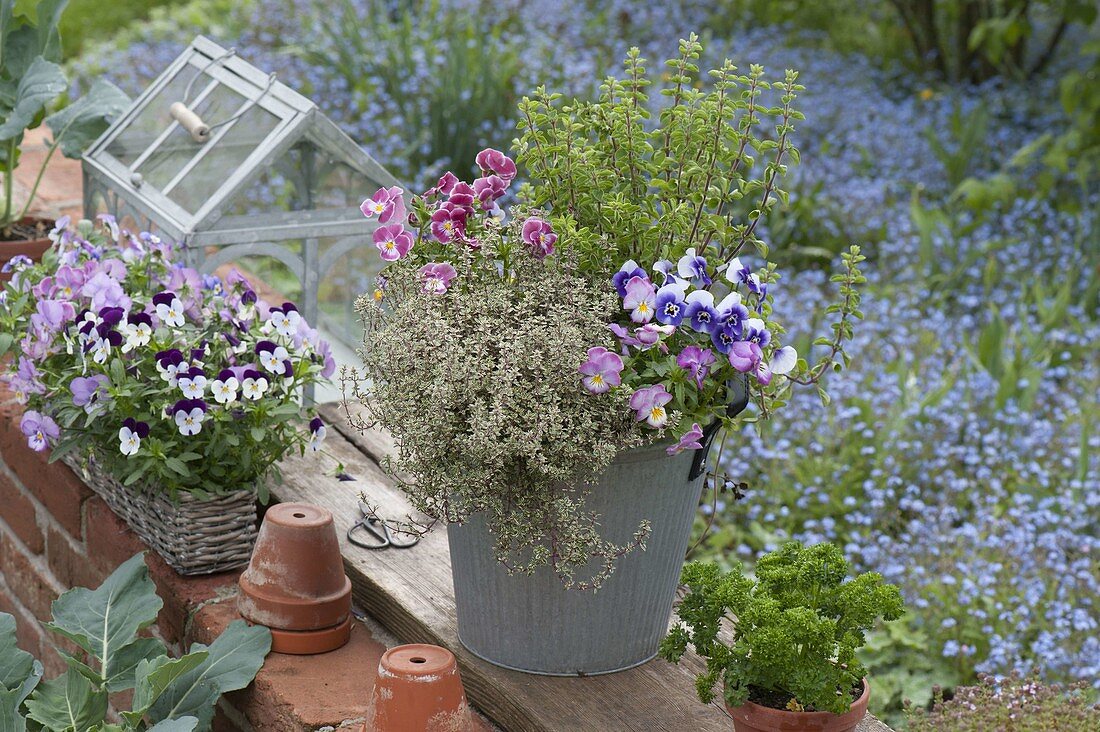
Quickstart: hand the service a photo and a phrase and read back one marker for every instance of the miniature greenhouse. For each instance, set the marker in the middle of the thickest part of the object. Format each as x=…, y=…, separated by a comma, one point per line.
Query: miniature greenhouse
x=238, y=167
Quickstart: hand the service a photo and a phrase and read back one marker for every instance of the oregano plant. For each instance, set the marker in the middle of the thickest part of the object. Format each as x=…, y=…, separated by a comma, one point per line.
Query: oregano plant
x=794, y=628
x=169, y=694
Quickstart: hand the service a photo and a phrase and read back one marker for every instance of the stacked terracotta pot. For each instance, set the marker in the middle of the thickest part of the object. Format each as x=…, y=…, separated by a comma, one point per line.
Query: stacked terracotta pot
x=295, y=583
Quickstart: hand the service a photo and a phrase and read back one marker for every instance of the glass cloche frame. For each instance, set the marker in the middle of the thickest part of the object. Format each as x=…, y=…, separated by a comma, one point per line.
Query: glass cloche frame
x=238, y=167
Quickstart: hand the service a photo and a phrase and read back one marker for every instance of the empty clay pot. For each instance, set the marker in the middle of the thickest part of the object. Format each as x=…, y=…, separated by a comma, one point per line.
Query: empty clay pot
x=751, y=717
x=418, y=690
x=295, y=582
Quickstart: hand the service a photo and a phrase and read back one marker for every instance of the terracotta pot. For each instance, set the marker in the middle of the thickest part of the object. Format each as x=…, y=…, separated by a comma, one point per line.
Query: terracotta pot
x=33, y=248
x=418, y=690
x=295, y=582
x=751, y=717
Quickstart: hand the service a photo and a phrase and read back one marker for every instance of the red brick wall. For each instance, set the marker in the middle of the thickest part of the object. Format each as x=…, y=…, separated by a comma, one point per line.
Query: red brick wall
x=56, y=534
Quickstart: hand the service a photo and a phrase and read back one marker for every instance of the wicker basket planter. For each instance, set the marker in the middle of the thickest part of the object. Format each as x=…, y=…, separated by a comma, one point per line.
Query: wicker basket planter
x=193, y=536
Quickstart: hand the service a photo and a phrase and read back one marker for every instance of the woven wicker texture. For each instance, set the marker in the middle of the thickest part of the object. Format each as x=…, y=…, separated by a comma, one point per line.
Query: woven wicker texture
x=193, y=536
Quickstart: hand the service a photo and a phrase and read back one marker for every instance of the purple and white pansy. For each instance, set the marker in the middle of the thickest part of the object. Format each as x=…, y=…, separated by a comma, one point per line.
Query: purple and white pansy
x=168, y=309
x=285, y=319
x=192, y=383
x=317, y=432
x=224, y=388
x=273, y=357
x=188, y=414
x=254, y=385
x=130, y=436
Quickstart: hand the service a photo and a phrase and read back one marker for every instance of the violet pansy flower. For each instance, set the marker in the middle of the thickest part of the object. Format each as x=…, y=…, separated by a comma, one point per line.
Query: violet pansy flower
x=669, y=303
x=462, y=196
x=436, y=277
x=640, y=299
x=138, y=331
x=693, y=267
x=754, y=330
x=88, y=391
x=628, y=271
x=539, y=237
x=272, y=357
x=170, y=363
x=649, y=403
x=393, y=241
x=697, y=362
x=690, y=440
x=39, y=429
x=784, y=360
x=746, y=357
x=700, y=312
x=494, y=161
x=601, y=371
x=488, y=190
x=130, y=436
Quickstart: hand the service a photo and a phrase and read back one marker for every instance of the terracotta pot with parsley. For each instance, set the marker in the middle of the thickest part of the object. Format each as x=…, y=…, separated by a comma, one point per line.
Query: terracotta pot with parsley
x=783, y=644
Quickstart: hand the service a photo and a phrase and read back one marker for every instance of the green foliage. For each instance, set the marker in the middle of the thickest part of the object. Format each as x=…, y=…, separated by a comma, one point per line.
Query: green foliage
x=30, y=81
x=461, y=94
x=170, y=695
x=962, y=146
x=95, y=20
x=975, y=40
x=795, y=627
x=704, y=175
x=1013, y=703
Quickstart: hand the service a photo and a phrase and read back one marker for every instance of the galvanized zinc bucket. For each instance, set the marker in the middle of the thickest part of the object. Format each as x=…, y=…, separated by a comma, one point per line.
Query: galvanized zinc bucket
x=531, y=623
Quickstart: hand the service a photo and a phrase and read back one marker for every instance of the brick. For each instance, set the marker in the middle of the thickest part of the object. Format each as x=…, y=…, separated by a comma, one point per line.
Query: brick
x=28, y=632
x=20, y=514
x=54, y=485
x=301, y=692
x=69, y=561
x=109, y=540
x=183, y=595
x=31, y=582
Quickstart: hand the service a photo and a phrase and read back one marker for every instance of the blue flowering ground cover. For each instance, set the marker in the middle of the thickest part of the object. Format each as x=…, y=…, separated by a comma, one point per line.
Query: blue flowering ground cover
x=960, y=453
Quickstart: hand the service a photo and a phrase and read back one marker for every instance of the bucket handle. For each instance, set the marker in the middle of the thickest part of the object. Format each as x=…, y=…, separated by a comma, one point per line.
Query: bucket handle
x=739, y=399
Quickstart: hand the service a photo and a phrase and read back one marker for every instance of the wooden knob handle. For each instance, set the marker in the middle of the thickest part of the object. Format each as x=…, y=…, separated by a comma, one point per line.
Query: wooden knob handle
x=200, y=131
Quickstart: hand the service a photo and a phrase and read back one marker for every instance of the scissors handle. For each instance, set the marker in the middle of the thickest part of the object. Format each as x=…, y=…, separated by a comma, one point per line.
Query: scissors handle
x=366, y=524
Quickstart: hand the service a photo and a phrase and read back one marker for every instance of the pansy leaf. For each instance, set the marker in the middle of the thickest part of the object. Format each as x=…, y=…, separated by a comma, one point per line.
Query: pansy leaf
x=104, y=620
x=40, y=85
x=68, y=703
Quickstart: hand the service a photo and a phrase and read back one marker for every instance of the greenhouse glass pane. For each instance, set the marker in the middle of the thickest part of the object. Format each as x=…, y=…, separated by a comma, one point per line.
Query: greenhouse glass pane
x=179, y=148
x=305, y=178
x=228, y=153
x=153, y=119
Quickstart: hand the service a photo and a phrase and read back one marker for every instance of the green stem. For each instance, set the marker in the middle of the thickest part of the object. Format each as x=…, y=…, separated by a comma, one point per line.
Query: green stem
x=38, y=179
x=9, y=176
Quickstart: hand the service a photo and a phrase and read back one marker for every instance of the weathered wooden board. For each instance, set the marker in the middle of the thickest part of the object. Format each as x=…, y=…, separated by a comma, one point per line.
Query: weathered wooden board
x=409, y=591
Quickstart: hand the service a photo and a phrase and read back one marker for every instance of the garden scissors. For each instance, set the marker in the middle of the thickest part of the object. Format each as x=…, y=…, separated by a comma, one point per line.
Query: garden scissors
x=379, y=529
